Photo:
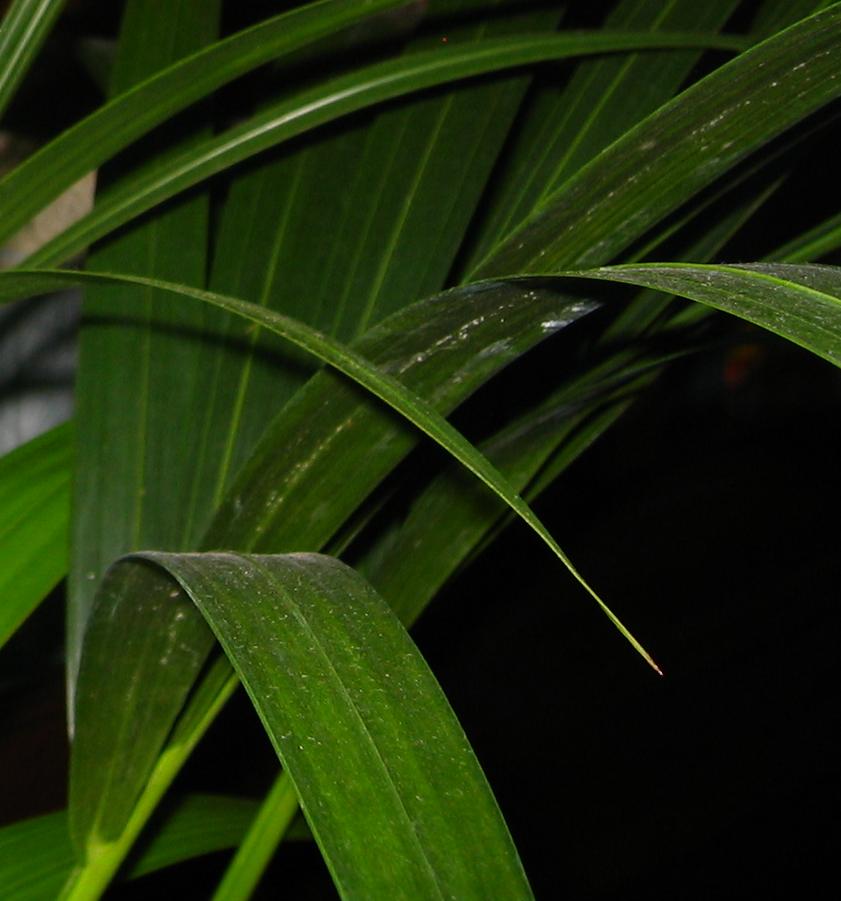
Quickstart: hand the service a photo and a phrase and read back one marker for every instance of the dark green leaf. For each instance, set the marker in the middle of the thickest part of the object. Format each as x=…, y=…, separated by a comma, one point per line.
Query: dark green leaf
x=568, y=122
x=390, y=787
x=379, y=382
x=677, y=151
x=317, y=106
x=131, y=486
x=798, y=302
x=114, y=126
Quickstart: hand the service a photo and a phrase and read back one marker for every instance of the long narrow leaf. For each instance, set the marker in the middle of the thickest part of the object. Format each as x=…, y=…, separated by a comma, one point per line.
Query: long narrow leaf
x=567, y=122
x=125, y=455
x=24, y=29
x=680, y=149
x=114, y=126
x=798, y=302
x=417, y=410
x=386, y=778
x=325, y=103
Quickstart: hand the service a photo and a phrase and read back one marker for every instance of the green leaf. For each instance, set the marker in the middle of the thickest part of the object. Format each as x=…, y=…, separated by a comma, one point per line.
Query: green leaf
x=680, y=149
x=24, y=29
x=115, y=125
x=567, y=122
x=260, y=842
x=36, y=855
x=34, y=515
x=389, y=785
x=417, y=410
x=125, y=456
x=798, y=302
x=380, y=251
x=325, y=103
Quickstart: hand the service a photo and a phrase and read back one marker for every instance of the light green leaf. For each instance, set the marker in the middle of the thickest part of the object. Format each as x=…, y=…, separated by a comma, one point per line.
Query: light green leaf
x=389, y=785
x=36, y=855
x=34, y=516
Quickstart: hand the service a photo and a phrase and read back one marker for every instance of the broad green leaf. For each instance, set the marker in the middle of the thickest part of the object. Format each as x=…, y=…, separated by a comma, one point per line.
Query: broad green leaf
x=798, y=302
x=115, y=125
x=130, y=488
x=36, y=855
x=325, y=103
x=567, y=122
x=389, y=785
x=680, y=149
x=276, y=245
x=24, y=29
x=34, y=516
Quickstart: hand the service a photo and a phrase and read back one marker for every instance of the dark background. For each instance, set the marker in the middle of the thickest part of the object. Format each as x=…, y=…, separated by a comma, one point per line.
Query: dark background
x=706, y=518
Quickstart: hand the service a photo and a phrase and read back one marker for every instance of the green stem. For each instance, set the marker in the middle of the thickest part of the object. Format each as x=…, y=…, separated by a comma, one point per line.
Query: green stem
x=88, y=881
x=264, y=835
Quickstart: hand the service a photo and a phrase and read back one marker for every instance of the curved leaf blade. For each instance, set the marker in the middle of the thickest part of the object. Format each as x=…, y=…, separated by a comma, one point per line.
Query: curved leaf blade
x=386, y=777
x=115, y=125
x=384, y=386
x=798, y=302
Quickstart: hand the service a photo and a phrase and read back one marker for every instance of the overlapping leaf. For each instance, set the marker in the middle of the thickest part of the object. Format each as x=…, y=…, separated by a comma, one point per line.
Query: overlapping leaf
x=680, y=149
x=407, y=813
x=36, y=856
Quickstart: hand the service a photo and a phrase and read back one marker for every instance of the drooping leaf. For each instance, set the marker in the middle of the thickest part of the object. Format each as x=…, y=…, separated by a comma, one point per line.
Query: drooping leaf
x=379, y=382
x=23, y=30
x=34, y=517
x=294, y=236
x=405, y=814
x=36, y=855
x=798, y=302
x=678, y=150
